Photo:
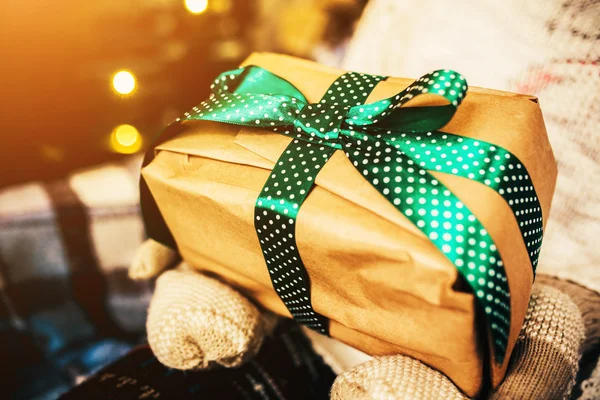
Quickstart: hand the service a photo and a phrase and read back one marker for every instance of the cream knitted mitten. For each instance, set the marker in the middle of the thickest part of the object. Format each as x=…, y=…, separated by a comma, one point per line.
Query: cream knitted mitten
x=393, y=377
x=561, y=324
x=196, y=322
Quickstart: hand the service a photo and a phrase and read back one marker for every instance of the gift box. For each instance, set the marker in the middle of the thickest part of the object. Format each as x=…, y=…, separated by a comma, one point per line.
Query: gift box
x=398, y=216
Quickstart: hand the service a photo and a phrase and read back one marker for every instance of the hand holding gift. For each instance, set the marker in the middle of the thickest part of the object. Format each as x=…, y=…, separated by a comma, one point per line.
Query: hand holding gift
x=197, y=322
x=357, y=215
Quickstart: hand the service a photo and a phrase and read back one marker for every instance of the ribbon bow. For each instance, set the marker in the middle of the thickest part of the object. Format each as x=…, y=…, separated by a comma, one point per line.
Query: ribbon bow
x=393, y=147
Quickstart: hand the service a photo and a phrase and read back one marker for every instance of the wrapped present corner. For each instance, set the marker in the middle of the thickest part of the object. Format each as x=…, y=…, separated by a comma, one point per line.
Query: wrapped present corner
x=397, y=216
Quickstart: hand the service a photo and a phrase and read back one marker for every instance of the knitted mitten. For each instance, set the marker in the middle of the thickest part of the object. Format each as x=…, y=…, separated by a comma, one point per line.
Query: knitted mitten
x=194, y=321
x=561, y=324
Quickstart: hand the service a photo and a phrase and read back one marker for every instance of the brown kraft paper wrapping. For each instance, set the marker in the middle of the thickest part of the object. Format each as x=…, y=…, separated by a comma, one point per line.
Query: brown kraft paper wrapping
x=383, y=285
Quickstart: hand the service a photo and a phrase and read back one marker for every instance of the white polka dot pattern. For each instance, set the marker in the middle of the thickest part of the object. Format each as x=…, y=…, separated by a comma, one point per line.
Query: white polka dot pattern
x=485, y=163
x=288, y=186
x=275, y=222
x=393, y=147
x=446, y=221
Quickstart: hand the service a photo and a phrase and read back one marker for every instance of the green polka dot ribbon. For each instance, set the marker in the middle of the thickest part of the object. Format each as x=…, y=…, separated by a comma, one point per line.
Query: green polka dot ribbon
x=393, y=147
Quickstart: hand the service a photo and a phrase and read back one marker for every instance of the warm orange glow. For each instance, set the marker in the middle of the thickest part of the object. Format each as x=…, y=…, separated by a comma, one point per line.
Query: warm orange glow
x=196, y=6
x=124, y=82
x=52, y=153
x=125, y=139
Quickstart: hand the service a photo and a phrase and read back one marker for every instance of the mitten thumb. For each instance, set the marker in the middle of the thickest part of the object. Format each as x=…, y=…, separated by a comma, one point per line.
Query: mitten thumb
x=151, y=259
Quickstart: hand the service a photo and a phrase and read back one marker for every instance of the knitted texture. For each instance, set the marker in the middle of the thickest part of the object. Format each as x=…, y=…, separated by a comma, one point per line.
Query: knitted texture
x=392, y=378
x=543, y=366
x=588, y=303
x=196, y=322
x=545, y=361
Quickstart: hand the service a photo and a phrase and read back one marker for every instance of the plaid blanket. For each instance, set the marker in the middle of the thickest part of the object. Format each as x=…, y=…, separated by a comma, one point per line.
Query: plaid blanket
x=69, y=310
x=67, y=307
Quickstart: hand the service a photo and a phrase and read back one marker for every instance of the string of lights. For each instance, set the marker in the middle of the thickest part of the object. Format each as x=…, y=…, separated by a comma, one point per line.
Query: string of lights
x=126, y=138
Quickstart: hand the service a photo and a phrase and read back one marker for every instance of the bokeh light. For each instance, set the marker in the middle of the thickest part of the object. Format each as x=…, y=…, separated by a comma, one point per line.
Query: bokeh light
x=196, y=6
x=125, y=139
x=124, y=82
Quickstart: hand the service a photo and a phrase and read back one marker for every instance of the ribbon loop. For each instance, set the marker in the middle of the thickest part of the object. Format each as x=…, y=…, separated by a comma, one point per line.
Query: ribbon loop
x=258, y=110
x=255, y=80
x=389, y=113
